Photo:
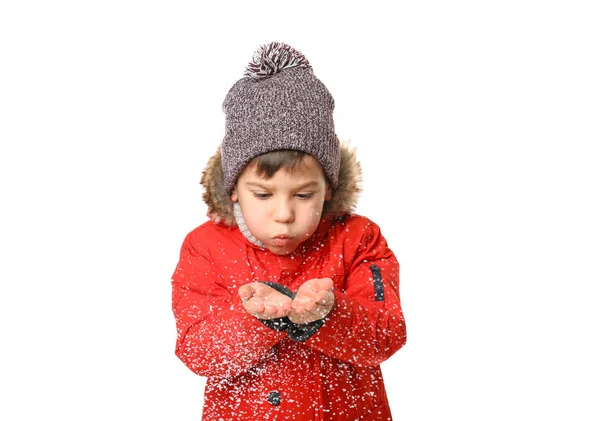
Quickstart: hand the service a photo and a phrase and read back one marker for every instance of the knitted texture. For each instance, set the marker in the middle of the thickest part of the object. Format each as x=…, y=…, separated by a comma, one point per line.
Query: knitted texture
x=278, y=104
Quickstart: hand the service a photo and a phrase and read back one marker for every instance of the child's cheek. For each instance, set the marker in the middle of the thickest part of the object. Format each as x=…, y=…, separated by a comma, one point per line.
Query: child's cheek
x=315, y=210
x=257, y=215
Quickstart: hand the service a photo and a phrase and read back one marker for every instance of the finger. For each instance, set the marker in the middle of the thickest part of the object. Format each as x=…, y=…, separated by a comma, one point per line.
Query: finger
x=298, y=310
x=282, y=311
x=300, y=300
x=271, y=309
x=320, y=298
x=258, y=307
x=324, y=297
x=322, y=309
x=319, y=312
x=264, y=316
x=262, y=290
x=251, y=307
x=282, y=306
x=246, y=292
x=309, y=306
x=303, y=303
x=286, y=306
x=272, y=312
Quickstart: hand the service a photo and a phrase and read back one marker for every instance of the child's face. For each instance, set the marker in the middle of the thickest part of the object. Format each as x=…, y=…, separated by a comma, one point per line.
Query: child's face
x=285, y=210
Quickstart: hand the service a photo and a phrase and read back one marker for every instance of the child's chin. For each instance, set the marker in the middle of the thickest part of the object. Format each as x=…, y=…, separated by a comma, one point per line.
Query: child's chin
x=282, y=251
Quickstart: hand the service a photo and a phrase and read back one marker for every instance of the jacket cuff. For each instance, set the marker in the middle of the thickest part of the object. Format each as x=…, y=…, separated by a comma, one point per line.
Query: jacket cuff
x=279, y=288
x=301, y=332
x=281, y=324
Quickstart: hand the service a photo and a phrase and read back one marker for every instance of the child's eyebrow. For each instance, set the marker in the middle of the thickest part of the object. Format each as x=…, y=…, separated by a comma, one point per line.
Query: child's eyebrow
x=266, y=187
x=308, y=184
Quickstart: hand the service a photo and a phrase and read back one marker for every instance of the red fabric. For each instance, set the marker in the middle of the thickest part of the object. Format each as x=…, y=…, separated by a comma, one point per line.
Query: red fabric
x=335, y=374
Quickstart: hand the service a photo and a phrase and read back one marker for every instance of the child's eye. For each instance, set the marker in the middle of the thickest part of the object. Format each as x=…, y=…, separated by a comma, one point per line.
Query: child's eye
x=305, y=196
x=262, y=196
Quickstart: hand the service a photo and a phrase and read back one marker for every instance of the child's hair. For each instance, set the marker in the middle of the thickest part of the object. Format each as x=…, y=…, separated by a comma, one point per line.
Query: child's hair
x=269, y=163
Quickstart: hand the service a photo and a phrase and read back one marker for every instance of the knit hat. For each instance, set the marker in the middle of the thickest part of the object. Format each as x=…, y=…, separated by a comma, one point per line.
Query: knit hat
x=278, y=104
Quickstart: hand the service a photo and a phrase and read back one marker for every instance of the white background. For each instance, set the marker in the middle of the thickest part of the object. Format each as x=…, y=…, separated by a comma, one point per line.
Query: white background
x=477, y=125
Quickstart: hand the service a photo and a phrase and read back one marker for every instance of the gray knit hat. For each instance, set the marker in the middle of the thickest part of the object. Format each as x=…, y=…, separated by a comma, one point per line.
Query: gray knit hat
x=278, y=104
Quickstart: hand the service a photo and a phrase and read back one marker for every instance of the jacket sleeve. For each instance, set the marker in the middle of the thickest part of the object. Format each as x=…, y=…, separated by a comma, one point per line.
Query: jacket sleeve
x=216, y=337
x=366, y=325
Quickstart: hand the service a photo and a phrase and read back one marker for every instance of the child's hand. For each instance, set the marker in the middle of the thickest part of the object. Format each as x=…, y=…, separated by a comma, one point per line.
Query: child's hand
x=264, y=302
x=313, y=301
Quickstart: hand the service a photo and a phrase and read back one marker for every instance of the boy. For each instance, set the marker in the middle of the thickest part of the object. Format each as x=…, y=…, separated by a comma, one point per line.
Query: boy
x=286, y=300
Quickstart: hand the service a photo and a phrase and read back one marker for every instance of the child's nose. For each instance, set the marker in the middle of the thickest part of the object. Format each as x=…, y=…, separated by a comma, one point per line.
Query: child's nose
x=284, y=211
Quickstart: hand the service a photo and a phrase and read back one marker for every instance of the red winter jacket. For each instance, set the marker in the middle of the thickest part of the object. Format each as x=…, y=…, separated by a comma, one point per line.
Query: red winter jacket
x=257, y=372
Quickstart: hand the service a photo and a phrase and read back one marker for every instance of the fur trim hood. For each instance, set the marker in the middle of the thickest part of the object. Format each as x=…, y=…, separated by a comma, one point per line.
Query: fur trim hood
x=343, y=199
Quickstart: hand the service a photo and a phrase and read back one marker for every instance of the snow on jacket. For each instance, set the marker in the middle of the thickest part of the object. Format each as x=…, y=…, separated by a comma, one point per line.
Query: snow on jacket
x=276, y=370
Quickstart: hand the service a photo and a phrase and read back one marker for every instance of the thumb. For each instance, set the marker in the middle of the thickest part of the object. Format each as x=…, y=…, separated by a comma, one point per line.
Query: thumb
x=323, y=284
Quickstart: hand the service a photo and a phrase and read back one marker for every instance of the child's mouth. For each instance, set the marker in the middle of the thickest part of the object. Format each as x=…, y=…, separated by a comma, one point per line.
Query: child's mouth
x=281, y=240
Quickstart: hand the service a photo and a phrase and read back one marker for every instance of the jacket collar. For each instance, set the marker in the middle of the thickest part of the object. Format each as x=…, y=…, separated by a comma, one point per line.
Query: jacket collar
x=343, y=199
x=241, y=223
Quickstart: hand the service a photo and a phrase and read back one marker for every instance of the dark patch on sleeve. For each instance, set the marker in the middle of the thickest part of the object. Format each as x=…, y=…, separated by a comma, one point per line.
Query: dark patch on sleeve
x=377, y=282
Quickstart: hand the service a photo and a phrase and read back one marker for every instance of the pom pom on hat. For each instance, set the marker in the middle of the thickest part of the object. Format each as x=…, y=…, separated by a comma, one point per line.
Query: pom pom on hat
x=272, y=58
